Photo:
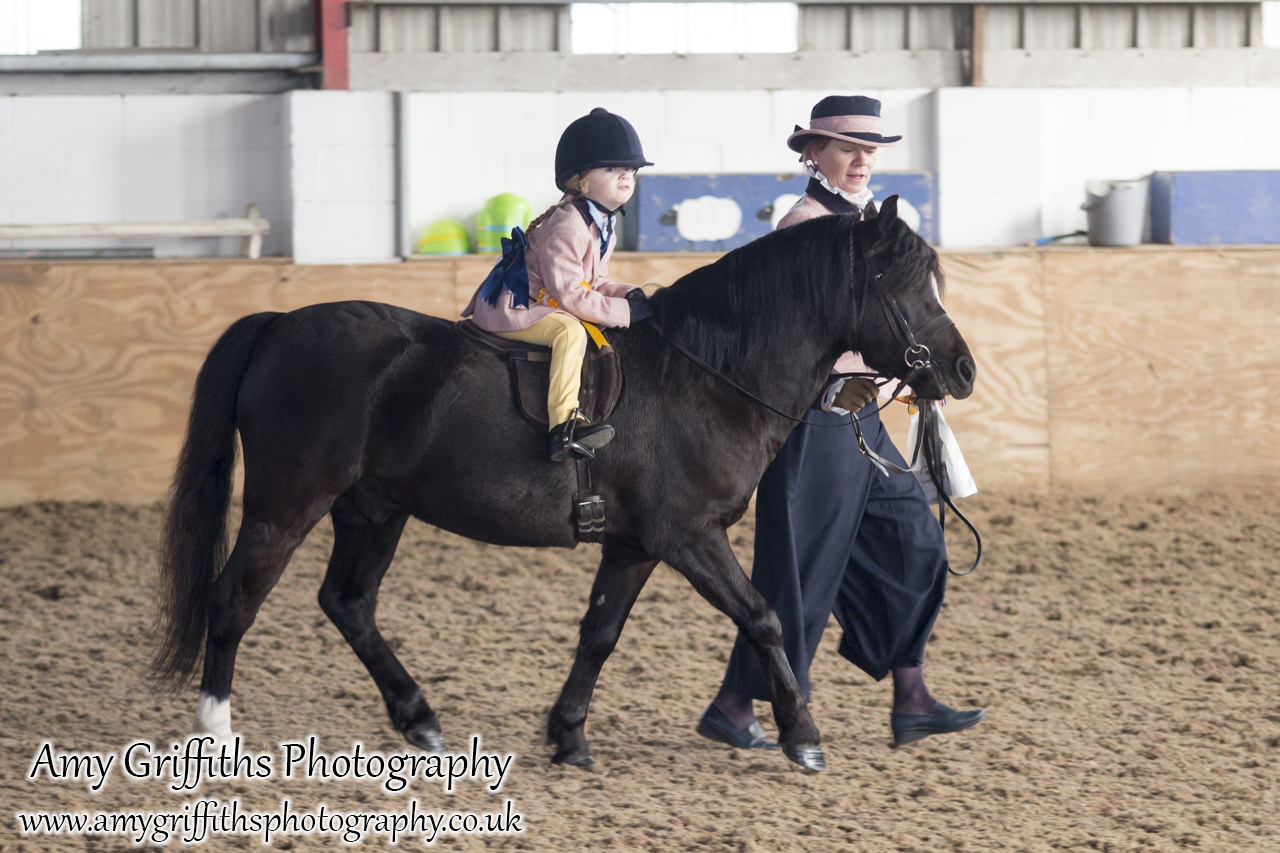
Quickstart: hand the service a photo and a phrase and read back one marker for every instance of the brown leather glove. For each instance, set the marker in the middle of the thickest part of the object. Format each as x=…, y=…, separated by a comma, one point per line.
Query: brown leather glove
x=856, y=393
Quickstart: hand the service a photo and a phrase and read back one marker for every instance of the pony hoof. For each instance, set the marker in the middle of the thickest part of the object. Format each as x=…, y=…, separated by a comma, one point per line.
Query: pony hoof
x=807, y=755
x=574, y=758
x=425, y=738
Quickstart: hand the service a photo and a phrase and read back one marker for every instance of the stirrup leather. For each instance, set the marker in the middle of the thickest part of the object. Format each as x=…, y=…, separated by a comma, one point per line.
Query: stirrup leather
x=588, y=507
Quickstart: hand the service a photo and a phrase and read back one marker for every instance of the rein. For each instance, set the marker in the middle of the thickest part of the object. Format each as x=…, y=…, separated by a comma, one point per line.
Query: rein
x=702, y=363
x=926, y=452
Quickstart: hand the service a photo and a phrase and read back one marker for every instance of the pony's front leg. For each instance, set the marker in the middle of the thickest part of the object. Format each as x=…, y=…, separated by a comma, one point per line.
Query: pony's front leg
x=622, y=574
x=711, y=567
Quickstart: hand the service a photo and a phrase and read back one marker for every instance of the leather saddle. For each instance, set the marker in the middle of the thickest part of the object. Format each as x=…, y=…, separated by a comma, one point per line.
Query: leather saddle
x=529, y=368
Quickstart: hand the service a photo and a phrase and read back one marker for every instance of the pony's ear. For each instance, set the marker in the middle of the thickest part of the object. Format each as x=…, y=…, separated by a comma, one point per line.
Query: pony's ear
x=887, y=214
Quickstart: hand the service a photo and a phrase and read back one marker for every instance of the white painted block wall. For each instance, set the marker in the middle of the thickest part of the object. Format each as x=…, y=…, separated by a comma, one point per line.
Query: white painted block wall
x=1011, y=164
x=469, y=147
x=342, y=173
x=141, y=158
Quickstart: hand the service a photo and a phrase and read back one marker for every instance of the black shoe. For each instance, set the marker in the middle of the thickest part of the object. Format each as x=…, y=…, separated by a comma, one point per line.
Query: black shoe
x=943, y=720
x=578, y=438
x=715, y=726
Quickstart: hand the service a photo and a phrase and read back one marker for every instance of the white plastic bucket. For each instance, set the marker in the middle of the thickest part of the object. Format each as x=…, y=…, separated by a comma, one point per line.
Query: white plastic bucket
x=1117, y=212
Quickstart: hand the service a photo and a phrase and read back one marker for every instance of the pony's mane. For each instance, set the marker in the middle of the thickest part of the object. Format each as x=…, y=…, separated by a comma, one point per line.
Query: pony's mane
x=783, y=287
x=786, y=280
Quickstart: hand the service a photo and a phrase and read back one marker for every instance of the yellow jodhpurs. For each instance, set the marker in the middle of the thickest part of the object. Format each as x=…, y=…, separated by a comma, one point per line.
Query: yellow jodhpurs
x=568, y=341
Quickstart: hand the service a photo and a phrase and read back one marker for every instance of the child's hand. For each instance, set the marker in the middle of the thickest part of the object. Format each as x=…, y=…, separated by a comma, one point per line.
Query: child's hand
x=639, y=305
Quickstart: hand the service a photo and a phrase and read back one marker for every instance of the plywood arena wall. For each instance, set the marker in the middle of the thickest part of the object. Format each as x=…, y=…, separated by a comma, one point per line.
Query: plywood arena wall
x=1138, y=370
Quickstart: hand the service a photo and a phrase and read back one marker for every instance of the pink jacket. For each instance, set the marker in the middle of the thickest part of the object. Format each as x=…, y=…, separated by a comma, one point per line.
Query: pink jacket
x=562, y=256
x=809, y=207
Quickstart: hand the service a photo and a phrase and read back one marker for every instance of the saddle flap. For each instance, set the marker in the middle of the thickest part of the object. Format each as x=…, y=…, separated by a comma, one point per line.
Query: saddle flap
x=529, y=367
x=530, y=372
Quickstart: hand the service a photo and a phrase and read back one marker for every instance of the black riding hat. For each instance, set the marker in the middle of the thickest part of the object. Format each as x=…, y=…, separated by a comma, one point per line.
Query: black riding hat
x=599, y=138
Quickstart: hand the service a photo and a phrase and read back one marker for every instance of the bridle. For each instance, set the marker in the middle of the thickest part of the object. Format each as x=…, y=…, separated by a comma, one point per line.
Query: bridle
x=916, y=354
x=918, y=358
x=928, y=447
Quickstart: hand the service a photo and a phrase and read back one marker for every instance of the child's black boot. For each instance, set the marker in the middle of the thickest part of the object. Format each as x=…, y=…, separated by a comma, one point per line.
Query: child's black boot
x=580, y=438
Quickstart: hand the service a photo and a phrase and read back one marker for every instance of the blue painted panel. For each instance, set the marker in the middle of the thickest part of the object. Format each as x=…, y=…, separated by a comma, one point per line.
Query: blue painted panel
x=707, y=213
x=1206, y=208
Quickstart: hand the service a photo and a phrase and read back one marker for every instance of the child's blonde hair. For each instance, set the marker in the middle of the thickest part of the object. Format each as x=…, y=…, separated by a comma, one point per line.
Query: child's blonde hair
x=578, y=185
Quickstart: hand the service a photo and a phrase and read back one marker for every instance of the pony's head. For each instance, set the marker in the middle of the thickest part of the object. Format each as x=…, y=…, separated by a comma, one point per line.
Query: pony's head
x=900, y=326
x=815, y=290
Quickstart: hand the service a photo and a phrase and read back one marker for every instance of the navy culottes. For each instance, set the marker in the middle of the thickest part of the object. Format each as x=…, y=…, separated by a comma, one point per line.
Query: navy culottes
x=834, y=535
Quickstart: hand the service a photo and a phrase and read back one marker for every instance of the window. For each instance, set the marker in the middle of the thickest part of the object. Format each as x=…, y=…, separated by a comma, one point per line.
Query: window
x=1271, y=24
x=30, y=26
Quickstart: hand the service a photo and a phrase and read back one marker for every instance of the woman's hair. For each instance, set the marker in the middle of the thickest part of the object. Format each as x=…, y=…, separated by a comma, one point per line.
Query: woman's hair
x=575, y=186
x=813, y=146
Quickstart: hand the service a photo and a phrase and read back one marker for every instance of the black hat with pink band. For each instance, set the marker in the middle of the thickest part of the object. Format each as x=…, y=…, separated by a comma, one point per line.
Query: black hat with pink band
x=851, y=117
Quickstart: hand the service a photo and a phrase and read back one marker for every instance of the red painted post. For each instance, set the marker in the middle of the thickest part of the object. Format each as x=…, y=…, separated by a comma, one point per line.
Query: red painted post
x=331, y=43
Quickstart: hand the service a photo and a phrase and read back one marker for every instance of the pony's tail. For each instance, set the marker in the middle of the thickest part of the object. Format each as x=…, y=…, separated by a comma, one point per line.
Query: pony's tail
x=194, y=547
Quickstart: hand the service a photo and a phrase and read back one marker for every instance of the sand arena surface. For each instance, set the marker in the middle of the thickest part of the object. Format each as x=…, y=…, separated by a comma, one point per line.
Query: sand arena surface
x=1126, y=651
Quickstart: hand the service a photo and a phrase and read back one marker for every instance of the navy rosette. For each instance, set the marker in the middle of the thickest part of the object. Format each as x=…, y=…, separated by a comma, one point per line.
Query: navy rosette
x=510, y=273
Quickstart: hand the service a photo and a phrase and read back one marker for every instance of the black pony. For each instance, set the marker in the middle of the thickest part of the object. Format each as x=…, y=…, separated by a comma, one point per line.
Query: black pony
x=373, y=413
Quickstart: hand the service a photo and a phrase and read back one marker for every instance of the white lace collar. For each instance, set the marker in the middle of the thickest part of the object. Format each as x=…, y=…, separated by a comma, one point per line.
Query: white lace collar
x=857, y=199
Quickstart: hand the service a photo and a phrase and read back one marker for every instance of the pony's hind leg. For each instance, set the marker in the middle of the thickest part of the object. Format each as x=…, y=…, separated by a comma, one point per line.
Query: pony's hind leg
x=622, y=574
x=261, y=553
x=364, y=541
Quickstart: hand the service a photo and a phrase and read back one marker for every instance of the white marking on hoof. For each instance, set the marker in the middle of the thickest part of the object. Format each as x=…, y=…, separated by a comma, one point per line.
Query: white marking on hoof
x=213, y=716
